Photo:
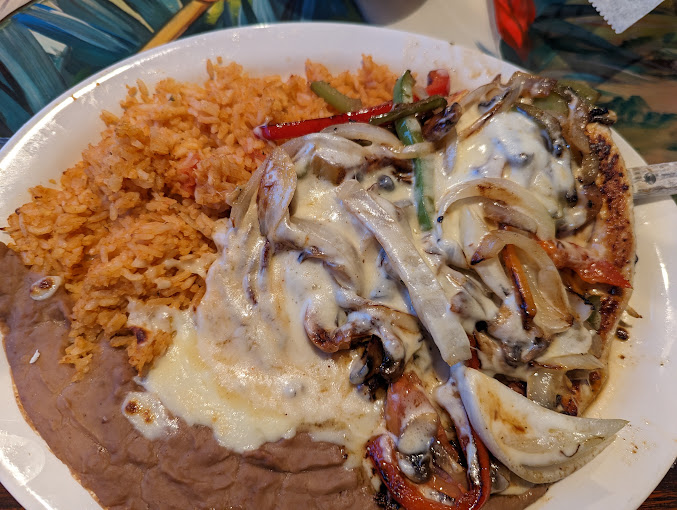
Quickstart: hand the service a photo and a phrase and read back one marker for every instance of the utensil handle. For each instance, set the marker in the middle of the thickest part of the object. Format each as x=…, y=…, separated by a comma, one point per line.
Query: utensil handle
x=654, y=180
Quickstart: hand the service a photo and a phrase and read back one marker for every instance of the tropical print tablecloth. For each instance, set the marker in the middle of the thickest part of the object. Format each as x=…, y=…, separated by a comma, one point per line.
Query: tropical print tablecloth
x=48, y=46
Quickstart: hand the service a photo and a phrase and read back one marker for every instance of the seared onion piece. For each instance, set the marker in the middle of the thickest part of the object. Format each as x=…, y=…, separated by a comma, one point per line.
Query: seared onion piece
x=504, y=102
x=343, y=154
x=324, y=149
x=480, y=94
x=547, y=446
x=576, y=121
x=501, y=213
x=277, y=186
x=365, y=132
x=571, y=362
x=427, y=297
x=552, y=303
x=276, y=190
x=503, y=190
x=329, y=246
x=492, y=273
x=544, y=385
x=520, y=84
x=244, y=198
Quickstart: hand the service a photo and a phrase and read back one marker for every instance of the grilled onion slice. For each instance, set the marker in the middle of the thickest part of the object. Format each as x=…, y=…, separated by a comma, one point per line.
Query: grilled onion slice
x=535, y=443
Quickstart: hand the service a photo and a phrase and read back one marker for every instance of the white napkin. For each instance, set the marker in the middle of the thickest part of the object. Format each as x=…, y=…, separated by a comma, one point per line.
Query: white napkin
x=9, y=6
x=621, y=14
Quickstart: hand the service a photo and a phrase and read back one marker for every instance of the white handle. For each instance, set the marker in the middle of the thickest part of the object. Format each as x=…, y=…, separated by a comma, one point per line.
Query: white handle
x=654, y=180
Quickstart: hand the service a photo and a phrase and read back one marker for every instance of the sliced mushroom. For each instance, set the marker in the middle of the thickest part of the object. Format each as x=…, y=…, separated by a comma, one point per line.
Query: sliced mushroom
x=410, y=415
x=375, y=368
x=423, y=451
x=440, y=125
x=396, y=330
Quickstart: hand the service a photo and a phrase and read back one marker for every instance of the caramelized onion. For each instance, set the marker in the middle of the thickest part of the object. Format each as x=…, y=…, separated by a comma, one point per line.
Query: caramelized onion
x=500, y=213
x=544, y=385
x=552, y=304
x=502, y=190
x=366, y=132
x=505, y=101
x=342, y=152
x=481, y=93
x=587, y=173
x=576, y=121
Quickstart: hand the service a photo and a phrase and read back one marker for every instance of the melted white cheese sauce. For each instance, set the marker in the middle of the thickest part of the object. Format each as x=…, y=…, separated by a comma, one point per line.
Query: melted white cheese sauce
x=243, y=364
x=247, y=369
x=249, y=401
x=511, y=146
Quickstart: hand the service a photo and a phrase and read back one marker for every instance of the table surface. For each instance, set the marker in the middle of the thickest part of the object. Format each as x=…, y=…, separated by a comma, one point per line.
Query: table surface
x=663, y=498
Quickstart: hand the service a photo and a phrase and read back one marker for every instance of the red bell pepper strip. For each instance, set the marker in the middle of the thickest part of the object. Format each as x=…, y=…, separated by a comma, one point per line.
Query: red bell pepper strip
x=381, y=451
x=408, y=393
x=439, y=83
x=334, y=98
x=305, y=127
x=589, y=267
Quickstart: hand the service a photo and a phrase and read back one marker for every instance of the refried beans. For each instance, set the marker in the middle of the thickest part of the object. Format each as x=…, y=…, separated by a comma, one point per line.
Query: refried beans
x=83, y=425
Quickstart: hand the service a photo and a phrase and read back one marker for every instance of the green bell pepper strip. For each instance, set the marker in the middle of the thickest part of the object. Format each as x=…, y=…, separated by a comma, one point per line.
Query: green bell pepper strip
x=409, y=131
x=333, y=97
x=402, y=110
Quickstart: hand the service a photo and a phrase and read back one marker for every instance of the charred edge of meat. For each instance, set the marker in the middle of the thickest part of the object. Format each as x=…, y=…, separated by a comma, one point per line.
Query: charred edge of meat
x=602, y=115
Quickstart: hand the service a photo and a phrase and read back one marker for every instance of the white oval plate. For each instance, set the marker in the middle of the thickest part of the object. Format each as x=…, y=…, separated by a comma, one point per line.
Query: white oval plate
x=643, y=375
